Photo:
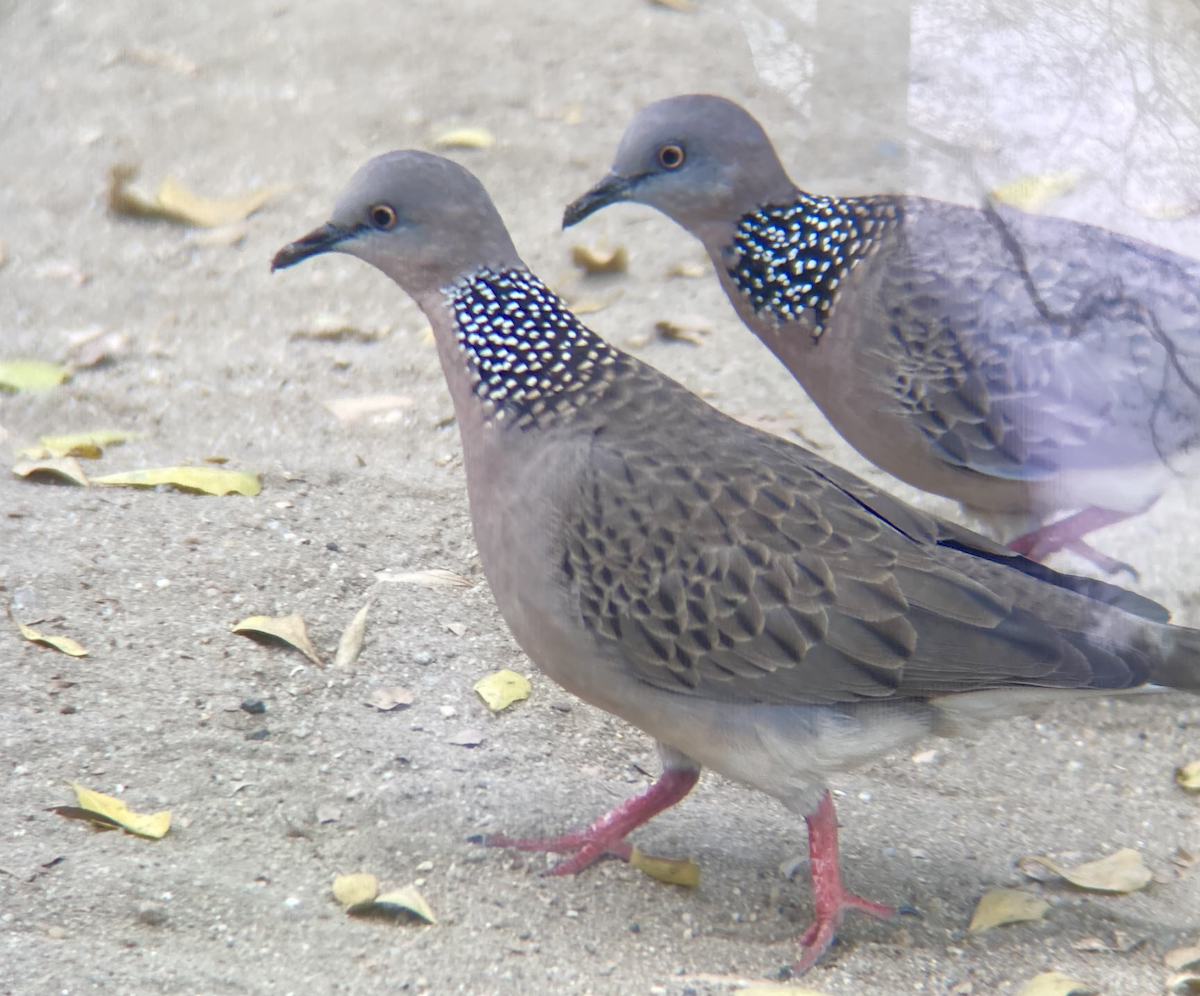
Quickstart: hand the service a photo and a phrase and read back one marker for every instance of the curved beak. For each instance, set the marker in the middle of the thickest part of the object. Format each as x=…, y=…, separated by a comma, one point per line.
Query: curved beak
x=610, y=190
x=319, y=240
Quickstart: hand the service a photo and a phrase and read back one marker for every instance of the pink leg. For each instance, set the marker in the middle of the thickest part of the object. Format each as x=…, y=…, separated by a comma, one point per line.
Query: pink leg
x=831, y=899
x=607, y=834
x=1068, y=533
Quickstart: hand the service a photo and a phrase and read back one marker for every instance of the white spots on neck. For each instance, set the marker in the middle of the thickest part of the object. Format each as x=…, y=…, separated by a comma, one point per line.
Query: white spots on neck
x=534, y=361
x=792, y=259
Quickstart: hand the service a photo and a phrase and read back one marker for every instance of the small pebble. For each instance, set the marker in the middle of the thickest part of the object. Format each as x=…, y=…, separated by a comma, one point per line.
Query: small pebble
x=258, y=734
x=256, y=707
x=331, y=545
x=152, y=915
x=423, y=657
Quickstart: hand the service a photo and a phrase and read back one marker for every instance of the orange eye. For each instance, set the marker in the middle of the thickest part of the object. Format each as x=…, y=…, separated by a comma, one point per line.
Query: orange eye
x=382, y=216
x=670, y=157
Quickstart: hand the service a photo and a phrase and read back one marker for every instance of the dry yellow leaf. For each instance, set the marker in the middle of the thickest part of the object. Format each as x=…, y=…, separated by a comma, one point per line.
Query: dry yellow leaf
x=669, y=870
x=348, y=409
x=1031, y=193
x=595, y=261
x=1055, y=984
x=436, y=578
x=215, y=459
x=1181, y=958
x=465, y=138
x=354, y=890
x=116, y=811
x=1123, y=871
x=289, y=629
x=1002, y=906
x=406, y=900
x=89, y=445
x=172, y=201
x=685, y=328
x=205, y=480
x=1188, y=777
x=500, y=689
x=63, y=468
x=31, y=375
x=352, y=638
x=61, y=643
x=688, y=270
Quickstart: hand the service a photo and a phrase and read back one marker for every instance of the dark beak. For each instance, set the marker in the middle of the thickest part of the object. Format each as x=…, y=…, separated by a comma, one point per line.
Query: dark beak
x=608, y=191
x=317, y=241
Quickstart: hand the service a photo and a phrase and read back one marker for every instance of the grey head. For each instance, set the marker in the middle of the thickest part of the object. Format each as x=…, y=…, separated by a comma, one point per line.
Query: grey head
x=421, y=219
x=699, y=159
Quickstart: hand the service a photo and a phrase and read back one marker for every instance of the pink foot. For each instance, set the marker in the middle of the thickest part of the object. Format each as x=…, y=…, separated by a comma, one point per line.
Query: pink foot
x=607, y=835
x=1068, y=533
x=832, y=900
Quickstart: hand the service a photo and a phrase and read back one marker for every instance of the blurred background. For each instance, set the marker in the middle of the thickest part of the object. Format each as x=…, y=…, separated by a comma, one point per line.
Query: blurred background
x=175, y=331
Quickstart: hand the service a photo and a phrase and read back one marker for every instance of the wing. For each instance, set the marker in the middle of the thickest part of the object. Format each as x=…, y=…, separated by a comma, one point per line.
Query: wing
x=752, y=570
x=1022, y=345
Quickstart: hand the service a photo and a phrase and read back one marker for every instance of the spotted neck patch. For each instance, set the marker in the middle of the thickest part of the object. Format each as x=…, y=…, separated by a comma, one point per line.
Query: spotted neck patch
x=791, y=259
x=534, y=362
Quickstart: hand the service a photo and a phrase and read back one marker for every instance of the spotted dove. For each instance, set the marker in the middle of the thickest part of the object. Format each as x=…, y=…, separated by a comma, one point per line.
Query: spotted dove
x=748, y=604
x=1025, y=366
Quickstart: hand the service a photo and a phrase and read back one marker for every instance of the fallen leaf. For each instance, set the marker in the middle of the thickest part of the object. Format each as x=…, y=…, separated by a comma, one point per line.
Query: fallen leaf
x=387, y=699
x=671, y=871
x=776, y=991
x=1123, y=871
x=689, y=271
x=95, y=345
x=222, y=235
x=681, y=5
x=1181, y=958
x=215, y=459
x=405, y=900
x=333, y=328
x=457, y=628
x=500, y=689
x=686, y=328
x=31, y=375
x=589, y=306
x=594, y=261
x=1187, y=982
x=1031, y=193
x=353, y=890
x=1002, y=906
x=61, y=643
x=88, y=445
x=172, y=201
x=467, y=738
x=62, y=468
x=289, y=629
x=465, y=138
x=1188, y=777
x=351, y=641
x=156, y=58
x=115, y=811
x=348, y=409
x=1055, y=984
x=437, y=577
x=204, y=480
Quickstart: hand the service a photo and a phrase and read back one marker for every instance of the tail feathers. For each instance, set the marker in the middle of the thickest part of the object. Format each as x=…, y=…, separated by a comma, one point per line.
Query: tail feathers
x=1180, y=667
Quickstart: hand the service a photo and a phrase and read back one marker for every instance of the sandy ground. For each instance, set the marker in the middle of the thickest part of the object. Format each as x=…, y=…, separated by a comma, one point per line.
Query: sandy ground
x=236, y=898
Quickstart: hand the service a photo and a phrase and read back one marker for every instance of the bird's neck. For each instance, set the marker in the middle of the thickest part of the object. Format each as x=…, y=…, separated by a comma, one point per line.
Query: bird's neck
x=788, y=260
x=513, y=353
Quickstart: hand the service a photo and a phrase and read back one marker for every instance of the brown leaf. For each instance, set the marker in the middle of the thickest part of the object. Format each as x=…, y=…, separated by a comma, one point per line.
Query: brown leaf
x=1124, y=871
x=172, y=201
x=1001, y=906
x=350, y=644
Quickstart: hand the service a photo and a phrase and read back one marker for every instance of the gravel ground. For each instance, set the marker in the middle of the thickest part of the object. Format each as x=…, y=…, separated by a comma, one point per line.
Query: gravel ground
x=235, y=899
